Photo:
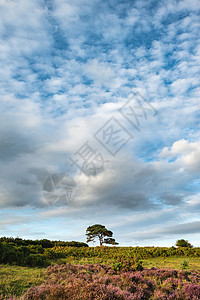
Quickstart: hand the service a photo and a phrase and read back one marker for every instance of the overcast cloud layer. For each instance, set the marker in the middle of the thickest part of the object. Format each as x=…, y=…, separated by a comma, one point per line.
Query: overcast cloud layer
x=67, y=67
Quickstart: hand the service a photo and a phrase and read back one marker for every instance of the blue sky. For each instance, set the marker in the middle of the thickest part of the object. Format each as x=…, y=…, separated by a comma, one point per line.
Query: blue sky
x=67, y=67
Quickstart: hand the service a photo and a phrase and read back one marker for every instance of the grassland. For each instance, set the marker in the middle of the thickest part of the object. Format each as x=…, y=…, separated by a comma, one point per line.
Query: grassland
x=157, y=262
x=172, y=263
x=15, y=279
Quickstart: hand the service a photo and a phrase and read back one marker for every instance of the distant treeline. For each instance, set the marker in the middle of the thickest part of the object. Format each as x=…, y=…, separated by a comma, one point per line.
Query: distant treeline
x=44, y=242
x=29, y=252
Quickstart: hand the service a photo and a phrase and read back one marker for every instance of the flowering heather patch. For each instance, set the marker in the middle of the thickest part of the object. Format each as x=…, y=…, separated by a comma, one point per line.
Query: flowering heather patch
x=102, y=282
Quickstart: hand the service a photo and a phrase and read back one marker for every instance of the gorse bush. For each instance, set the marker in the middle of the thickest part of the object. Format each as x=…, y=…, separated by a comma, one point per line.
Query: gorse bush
x=117, y=253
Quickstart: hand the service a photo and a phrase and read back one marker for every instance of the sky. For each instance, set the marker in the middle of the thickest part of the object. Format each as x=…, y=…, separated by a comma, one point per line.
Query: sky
x=99, y=119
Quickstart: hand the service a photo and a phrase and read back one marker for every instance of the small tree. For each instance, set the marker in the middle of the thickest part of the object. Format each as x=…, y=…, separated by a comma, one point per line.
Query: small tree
x=183, y=243
x=100, y=231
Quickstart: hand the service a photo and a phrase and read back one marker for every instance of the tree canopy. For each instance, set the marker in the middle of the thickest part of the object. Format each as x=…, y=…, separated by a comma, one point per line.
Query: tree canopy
x=102, y=233
x=183, y=243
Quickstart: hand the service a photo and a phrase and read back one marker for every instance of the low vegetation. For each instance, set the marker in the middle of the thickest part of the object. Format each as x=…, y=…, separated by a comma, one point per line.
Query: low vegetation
x=45, y=269
x=102, y=282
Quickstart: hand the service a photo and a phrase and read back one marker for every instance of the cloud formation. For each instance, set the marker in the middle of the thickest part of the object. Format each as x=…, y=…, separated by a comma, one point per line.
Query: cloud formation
x=66, y=69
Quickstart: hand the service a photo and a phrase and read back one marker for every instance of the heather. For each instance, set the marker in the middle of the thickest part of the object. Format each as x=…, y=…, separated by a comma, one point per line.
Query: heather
x=69, y=281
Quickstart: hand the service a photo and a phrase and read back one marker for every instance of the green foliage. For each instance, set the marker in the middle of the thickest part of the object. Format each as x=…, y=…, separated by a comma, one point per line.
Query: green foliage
x=16, y=251
x=100, y=232
x=70, y=244
x=44, y=243
x=36, y=260
x=21, y=256
x=127, y=265
x=36, y=249
x=183, y=243
x=110, y=241
x=16, y=279
x=112, y=254
x=53, y=254
x=184, y=264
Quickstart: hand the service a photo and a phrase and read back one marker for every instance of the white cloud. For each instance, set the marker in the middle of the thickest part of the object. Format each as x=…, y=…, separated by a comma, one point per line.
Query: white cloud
x=187, y=154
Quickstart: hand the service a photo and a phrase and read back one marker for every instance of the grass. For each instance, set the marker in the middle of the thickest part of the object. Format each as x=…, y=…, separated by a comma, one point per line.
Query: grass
x=157, y=262
x=172, y=262
x=14, y=279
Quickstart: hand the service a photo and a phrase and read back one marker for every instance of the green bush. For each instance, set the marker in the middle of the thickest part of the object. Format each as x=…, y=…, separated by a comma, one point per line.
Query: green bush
x=183, y=243
x=21, y=256
x=36, y=260
x=184, y=264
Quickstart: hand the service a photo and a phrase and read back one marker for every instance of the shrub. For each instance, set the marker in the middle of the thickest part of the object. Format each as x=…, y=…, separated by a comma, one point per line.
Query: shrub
x=183, y=243
x=35, y=260
x=184, y=264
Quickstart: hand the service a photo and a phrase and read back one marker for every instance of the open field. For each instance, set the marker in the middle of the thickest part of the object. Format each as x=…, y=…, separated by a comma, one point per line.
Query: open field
x=172, y=263
x=157, y=262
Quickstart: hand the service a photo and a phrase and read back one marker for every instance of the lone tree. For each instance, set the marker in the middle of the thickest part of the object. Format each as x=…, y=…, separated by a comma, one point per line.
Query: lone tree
x=101, y=232
x=183, y=243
